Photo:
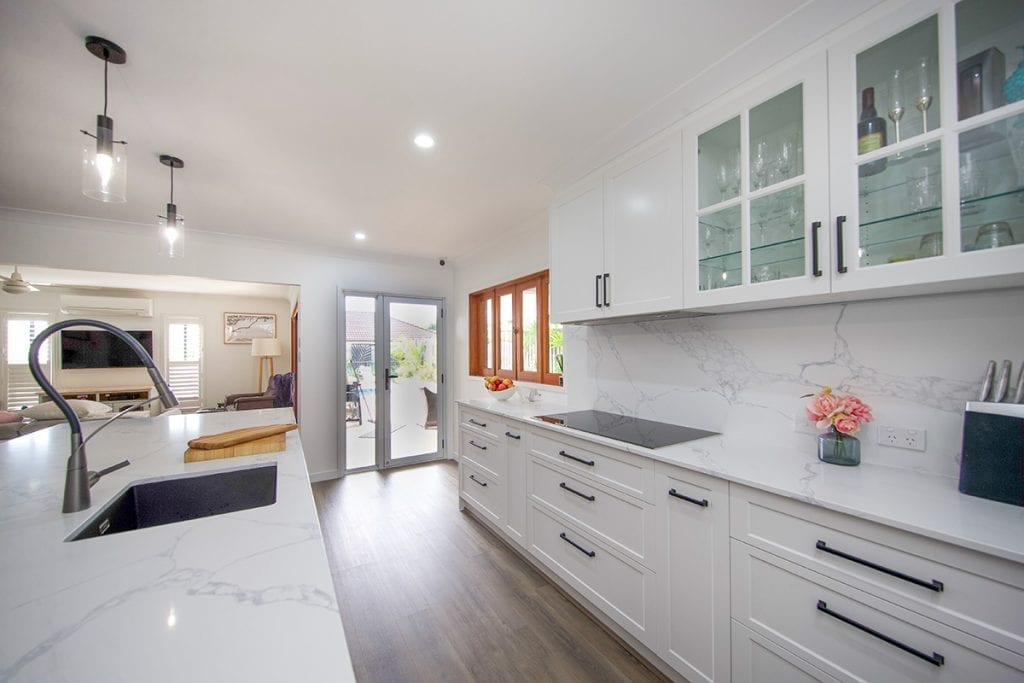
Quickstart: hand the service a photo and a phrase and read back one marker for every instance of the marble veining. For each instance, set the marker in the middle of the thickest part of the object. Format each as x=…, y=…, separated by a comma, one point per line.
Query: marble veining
x=240, y=596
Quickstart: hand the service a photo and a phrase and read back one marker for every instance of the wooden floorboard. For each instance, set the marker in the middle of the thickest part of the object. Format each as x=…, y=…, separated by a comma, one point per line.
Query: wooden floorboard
x=427, y=593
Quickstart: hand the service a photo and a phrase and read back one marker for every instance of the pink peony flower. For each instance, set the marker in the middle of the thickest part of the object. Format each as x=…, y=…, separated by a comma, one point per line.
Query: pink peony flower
x=847, y=424
x=853, y=406
x=845, y=413
x=823, y=406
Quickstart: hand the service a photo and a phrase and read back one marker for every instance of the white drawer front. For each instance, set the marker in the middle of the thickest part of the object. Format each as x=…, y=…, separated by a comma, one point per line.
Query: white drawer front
x=486, y=423
x=482, y=451
x=807, y=614
x=621, y=471
x=628, y=524
x=755, y=659
x=620, y=589
x=953, y=592
x=515, y=483
x=483, y=492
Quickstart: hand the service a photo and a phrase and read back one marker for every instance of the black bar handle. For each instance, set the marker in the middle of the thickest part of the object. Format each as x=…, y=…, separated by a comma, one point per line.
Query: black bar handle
x=607, y=276
x=815, y=266
x=513, y=436
x=482, y=483
x=703, y=502
x=573, y=457
x=934, y=658
x=840, y=266
x=478, y=424
x=597, y=290
x=932, y=585
x=588, y=553
x=572, y=490
x=474, y=443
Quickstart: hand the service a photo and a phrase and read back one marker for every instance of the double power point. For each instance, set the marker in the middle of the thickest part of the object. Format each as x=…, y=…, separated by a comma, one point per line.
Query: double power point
x=901, y=437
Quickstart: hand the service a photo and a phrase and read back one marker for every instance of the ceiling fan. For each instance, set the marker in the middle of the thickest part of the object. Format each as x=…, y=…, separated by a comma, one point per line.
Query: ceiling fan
x=16, y=284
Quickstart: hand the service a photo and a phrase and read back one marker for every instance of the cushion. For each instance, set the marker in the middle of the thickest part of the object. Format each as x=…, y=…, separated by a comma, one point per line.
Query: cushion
x=7, y=416
x=82, y=408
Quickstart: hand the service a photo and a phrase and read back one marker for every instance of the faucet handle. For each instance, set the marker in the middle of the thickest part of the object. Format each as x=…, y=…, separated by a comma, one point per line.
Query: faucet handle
x=95, y=476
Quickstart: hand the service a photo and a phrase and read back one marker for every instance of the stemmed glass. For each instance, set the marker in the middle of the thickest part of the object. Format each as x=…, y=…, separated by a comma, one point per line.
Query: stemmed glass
x=924, y=91
x=786, y=158
x=759, y=164
x=896, y=101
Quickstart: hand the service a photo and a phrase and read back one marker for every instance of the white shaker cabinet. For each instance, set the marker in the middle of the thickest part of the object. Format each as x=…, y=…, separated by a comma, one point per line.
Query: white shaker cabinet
x=577, y=252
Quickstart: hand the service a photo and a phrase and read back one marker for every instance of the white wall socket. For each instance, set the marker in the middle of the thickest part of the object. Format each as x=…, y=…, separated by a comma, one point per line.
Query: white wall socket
x=910, y=438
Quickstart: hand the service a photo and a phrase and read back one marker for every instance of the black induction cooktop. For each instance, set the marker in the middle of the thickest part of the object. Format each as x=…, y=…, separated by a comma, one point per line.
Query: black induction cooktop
x=646, y=433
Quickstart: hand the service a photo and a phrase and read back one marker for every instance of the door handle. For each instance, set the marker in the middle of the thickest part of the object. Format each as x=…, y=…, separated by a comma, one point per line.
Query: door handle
x=815, y=266
x=840, y=266
x=597, y=291
x=387, y=379
x=607, y=276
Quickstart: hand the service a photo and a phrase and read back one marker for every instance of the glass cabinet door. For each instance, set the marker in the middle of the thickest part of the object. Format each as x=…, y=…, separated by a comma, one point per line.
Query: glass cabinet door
x=923, y=144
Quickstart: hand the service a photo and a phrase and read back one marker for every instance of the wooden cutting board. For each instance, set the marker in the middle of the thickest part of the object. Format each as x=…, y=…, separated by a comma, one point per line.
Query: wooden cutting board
x=246, y=441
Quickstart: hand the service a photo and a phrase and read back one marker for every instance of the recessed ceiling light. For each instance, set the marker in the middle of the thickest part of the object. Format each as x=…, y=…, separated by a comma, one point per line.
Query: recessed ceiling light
x=360, y=236
x=424, y=141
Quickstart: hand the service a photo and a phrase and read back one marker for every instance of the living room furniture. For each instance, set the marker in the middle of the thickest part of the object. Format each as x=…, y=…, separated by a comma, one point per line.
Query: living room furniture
x=266, y=349
x=118, y=397
x=278, y=394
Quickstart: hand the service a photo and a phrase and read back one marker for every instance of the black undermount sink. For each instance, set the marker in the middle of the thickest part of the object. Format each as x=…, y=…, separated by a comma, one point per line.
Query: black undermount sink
x=176, y=500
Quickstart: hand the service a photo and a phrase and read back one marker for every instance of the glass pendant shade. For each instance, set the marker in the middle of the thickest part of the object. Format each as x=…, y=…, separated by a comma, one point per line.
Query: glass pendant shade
x=171, y=233
x=104, y=174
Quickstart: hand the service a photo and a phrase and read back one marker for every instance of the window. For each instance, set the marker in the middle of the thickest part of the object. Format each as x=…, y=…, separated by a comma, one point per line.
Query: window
x=20, y=389
x=510, y=334
x=184, y=360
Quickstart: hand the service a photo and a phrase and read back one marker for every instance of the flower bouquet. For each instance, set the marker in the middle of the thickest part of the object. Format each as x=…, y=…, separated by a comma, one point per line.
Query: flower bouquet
x=842, y=417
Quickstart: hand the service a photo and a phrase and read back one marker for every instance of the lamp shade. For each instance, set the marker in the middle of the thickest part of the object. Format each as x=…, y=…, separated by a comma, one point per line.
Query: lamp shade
x=266, y=347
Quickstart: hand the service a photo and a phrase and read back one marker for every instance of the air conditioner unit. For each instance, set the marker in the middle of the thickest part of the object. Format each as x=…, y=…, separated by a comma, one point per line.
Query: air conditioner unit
x=106, y=305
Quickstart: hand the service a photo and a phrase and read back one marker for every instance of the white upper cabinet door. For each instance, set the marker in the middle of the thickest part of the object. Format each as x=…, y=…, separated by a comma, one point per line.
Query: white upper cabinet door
x=577, y=253
x=927, y=154
x=756, y=193
x=643, y=230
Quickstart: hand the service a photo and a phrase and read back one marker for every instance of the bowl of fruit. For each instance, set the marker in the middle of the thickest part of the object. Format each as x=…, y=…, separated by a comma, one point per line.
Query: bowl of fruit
x=501, y=388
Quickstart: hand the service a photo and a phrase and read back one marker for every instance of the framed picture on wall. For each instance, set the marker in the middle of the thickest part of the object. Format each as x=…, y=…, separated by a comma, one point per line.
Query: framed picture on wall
x=242, y=328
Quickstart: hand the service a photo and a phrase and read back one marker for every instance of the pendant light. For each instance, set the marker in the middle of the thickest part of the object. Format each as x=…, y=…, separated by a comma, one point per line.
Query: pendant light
x=171, y=228
x=104, y=166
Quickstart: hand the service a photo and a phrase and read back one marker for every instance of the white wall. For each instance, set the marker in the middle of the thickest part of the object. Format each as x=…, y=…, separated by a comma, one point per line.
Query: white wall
x=67, y=242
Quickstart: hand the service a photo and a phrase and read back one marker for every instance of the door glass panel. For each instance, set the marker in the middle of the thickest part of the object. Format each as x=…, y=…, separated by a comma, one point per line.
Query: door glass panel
x=530, y=336
x=489, y=332
x=718, y=161
x=988, y=38
x=720, y=259
x=412, y=394
x=505, y=332
x=992, y=185
x=901, y=208
x=777, y=235
x=776, y=145
x=361, y=381
x=898, y=88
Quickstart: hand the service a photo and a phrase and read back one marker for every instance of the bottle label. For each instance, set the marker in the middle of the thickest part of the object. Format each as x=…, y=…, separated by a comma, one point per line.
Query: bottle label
x=869, y=143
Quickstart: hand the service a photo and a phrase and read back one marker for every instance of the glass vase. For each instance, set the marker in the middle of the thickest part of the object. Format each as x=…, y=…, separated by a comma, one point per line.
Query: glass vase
x=837, y=448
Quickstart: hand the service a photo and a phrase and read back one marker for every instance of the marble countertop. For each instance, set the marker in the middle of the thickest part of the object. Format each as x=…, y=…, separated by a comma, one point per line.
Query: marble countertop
x=242, y=596
x=918, y=502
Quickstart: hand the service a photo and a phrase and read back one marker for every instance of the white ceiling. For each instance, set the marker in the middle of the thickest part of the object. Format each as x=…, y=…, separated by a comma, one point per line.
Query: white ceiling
x=295, y=119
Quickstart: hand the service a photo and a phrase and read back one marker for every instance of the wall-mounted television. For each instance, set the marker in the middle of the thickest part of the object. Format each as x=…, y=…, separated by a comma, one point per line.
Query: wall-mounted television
x=80, y=349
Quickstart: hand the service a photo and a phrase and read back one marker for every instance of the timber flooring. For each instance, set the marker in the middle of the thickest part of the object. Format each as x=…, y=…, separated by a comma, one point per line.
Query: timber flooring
x=428, y=594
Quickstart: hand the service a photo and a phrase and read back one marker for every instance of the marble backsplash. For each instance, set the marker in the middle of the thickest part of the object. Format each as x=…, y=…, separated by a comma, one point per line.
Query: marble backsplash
x=915, y=360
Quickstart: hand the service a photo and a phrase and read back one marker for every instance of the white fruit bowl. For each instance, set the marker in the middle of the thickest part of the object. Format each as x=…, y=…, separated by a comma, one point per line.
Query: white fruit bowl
x=504, y=394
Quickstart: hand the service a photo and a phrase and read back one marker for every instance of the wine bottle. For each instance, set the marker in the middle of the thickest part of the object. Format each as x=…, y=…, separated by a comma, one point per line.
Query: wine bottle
x=870, y=133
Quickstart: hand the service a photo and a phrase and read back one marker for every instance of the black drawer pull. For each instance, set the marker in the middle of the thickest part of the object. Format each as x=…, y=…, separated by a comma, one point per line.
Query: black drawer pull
x=482, y=483
x=934, y=658
x=513, y=436
x=932, y=585
x=815, y=266
x=573, y=457
x=703, y=502
x=588, y=553
x=597, y=291
x=474, y=443
x=572, y=490
x=478, y=424
x=607, y=276
x=840, y=265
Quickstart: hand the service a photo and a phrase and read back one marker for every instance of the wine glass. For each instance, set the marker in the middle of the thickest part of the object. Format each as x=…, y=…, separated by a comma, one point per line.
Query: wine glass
x=786, y=158
x=759, y=164
x=924, y=91
x=724, y=181
x=896, y=101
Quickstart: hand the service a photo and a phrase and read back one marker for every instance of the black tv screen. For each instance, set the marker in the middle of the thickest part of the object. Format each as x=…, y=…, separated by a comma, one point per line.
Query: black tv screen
x=81, y=349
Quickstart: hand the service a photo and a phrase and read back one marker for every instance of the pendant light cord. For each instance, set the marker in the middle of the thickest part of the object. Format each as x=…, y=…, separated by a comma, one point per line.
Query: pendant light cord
x=172, y=183
x=106, y=63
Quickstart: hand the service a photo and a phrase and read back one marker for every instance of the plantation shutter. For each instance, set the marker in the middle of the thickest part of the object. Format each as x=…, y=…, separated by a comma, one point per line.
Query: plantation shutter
x=21, y=389
x=184, y=361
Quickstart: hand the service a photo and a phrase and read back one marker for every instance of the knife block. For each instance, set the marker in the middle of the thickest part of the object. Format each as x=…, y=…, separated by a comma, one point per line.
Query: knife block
x=992, y=457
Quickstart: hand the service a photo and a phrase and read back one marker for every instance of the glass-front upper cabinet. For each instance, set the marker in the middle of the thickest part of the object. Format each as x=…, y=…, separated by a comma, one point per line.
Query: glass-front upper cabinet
x=757, y=191
x=927, y=137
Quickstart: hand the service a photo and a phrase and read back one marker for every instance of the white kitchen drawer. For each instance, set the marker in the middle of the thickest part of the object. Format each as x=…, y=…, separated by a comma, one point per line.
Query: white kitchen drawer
x=483, y=492
x=755, y=659
x=979, y=594
x=482, y=451
x=786, y=603
x=620, y=588
x=622, y=471
x=621, y=520
x=484, y=422
x=515, y=482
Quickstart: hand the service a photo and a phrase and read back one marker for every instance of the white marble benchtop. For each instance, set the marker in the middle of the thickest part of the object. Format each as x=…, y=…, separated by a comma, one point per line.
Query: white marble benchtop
x=244, y=596
x=919, y=502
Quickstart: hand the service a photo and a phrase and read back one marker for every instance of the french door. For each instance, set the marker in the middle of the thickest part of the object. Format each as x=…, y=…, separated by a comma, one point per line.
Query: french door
x=393, y=407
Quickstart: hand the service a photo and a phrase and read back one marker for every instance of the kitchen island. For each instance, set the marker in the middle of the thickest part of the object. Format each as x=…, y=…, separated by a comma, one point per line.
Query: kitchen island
x=246, y=595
